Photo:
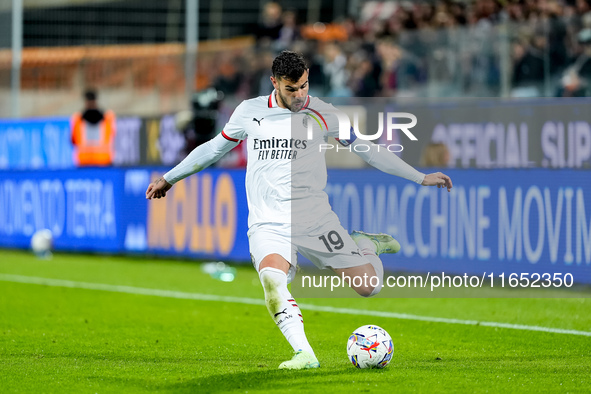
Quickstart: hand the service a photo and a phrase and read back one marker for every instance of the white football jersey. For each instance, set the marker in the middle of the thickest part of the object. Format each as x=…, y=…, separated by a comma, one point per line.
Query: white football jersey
x=286, y=170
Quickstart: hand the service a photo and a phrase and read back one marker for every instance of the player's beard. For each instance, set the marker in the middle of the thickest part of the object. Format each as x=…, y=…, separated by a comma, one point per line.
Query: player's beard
x=296, y=104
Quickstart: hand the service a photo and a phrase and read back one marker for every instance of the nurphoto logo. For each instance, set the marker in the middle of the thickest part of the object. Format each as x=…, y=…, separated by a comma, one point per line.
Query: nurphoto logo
x=346, y=127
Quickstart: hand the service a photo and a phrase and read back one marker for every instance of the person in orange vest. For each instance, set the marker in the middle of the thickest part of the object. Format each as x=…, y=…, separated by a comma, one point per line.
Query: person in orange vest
x=93, y=133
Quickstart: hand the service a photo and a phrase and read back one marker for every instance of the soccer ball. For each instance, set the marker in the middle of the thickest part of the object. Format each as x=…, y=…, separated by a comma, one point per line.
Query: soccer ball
x=42, y=243
x=370, y=347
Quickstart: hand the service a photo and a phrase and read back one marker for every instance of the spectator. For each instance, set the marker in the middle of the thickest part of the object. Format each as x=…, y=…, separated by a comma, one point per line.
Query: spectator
x=364, y=82
x=315, y=61
x=528, y=72
x=270, y=26
x=289, y=31
x=556, y=38
x=231, y=69
x=93, y=133
x=335, y=71
x=435, y=155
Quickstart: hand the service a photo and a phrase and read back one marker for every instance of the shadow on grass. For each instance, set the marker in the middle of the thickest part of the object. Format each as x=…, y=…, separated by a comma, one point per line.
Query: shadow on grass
x=176, y=376
x=265, y=380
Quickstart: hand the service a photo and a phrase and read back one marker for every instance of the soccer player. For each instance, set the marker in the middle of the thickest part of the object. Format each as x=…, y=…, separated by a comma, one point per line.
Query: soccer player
x=288, y=208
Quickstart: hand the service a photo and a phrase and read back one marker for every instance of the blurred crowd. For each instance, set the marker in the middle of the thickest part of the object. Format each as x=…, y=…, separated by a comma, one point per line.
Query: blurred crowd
x=443, y=48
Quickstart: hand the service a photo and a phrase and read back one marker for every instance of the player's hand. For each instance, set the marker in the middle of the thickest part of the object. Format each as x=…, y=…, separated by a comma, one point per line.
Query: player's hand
x=439, y=179
x=158, y=188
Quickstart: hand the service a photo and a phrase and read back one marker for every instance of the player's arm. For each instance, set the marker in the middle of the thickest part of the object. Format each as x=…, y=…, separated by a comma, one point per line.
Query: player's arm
x=200, y=158
x=204, y=155
x=390, y=163
x=379, y=157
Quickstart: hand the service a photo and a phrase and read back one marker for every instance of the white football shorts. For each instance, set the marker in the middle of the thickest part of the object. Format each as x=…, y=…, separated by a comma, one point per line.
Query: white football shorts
x=325, y=243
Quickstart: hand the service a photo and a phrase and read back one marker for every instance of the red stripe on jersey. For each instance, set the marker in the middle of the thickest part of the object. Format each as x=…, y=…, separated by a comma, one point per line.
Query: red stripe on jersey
x=307, y=102
x=270, y=101
x=229, y=138
x=291, y=299
x=321, y=117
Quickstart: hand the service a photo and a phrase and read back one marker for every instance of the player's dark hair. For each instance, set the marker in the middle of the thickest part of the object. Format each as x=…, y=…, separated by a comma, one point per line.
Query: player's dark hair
x=289, y=65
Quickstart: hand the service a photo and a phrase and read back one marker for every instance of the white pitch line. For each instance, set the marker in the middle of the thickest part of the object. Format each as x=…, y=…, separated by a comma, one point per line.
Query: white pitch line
x=256, y=301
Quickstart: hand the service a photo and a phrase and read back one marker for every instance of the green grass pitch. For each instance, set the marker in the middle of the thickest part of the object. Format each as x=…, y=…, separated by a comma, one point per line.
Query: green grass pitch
x=73, y=340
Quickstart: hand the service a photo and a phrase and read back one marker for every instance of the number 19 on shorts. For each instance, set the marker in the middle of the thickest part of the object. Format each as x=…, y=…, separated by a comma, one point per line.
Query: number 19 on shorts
x=332, y=239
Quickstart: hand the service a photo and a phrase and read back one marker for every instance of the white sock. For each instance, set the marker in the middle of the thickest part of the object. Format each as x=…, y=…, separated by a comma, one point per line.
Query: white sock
x=368, y=249
x=283, y=308
x=377, y=265
x=367, y=245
